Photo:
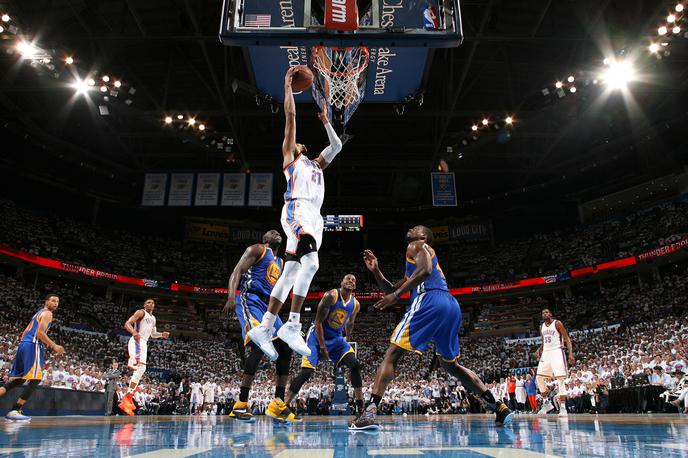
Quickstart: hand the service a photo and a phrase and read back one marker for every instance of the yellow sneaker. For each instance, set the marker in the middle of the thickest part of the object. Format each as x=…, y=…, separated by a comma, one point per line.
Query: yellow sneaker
x=278, y=410
x=241, y=412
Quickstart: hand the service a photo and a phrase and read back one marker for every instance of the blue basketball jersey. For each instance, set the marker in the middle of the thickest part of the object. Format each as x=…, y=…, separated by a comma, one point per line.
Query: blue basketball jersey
x=333, y=326
x=31, y=336
x=435, y=281
x=262, y=276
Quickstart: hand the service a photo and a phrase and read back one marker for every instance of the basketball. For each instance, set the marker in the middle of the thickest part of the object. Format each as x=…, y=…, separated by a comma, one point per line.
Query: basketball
x=303, y=79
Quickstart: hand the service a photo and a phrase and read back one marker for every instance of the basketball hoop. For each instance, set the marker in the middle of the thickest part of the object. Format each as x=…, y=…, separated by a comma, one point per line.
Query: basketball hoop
x=342, y=74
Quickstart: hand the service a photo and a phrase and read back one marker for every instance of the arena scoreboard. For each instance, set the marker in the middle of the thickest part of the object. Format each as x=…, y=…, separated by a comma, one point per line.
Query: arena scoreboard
x=343, y=223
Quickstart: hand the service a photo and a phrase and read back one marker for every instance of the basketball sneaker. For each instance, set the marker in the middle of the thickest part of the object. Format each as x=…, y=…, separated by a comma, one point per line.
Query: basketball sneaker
x=241, y=413
x=278, y=410
x=127, y=405
x=290, y=333
x=366, y=421
x=262, y=336
x=562, y=410
x=504, y=415
x=546, y=407
x=17, y=415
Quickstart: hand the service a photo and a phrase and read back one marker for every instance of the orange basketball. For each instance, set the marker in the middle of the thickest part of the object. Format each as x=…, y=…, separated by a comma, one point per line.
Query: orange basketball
x=303, y=78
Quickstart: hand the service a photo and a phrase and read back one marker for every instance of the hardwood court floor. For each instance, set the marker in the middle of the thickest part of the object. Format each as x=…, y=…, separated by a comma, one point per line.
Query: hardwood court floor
x=328, y=437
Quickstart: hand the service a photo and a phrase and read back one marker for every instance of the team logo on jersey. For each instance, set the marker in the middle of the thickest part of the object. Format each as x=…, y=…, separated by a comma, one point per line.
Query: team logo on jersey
x=336, y=318
x=273, y=272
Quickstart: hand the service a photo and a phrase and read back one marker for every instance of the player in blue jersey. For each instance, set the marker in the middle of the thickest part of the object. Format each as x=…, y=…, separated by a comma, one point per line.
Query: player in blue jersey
x=336, y=313
x=254, y=276
x=433, y=316
x=28, y=364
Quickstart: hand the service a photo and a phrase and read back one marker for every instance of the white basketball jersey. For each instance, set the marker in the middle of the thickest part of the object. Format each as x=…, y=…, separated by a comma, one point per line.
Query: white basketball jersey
x=551, y=339
x=146, y=325
x=305, y=182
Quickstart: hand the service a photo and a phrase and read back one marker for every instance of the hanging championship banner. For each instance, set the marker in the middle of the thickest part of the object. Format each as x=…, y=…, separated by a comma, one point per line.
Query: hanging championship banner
x=207, y=189
x=443, y=190
x=260, y=190
x=233, y=190
x=154, y=189
x=181, y=185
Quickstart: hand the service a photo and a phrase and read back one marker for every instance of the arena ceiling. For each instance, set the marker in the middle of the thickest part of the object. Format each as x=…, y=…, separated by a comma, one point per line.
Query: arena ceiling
x=574, y=147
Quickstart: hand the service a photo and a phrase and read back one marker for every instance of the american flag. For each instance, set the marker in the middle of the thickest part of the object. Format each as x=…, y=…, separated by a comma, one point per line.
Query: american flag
x=257, y=20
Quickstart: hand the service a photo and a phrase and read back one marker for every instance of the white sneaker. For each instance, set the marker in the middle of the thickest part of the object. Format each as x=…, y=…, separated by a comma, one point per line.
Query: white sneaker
x=262, y=336
x=15, y=415
x=290, y=333
x=562, y=410
x=546, y=407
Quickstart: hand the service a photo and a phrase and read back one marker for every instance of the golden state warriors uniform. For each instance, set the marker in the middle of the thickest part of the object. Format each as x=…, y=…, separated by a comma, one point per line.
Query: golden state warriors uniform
x=333, y=329
x=302, y=201
x=433, y=316
x=254, y=291
x=29, y=362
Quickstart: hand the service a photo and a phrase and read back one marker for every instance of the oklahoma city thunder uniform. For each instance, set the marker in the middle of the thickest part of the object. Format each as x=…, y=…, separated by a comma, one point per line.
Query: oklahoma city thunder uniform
x=302, y=201
x=254, y=292
x=433, y=316
x=552, y=361
x=333, y=328
x=138, y=351
x=28, y=363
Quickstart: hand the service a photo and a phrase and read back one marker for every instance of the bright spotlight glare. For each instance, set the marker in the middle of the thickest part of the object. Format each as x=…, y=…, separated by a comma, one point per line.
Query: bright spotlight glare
x=103, y=88
x=606, y=61
x=573, y=89
x=558, y=84
x=678, y=8
x=192, y=121
x=509, y=120
x=474, y=127
x=201, y=127
x=26, y=49
x=676, y=30
x=6, y=18
x=662, y=30
x=180, y=117
x=69, y=60
x=2, y=29
x=106, y=78
x=654, y=48
x=168, y=119
x=80, y=86
x=485, y=122
x=91, y=82
x=619, y=75
x=118, y=84
x=671, y=18
x=570, y=79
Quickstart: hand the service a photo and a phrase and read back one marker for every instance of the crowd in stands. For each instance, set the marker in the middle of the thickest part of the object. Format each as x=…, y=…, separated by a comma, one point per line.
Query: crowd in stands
x=209, y=263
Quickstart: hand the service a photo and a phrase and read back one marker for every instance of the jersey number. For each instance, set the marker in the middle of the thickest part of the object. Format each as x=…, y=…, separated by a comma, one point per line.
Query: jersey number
x=316, y=177
x=548, y=339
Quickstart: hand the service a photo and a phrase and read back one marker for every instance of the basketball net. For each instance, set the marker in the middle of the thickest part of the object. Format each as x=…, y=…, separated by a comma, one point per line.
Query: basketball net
x=341, y=70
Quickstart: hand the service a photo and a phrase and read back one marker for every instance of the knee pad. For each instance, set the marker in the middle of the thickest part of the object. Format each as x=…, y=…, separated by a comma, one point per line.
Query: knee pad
x=306, y=245
x=298, y=381
x=138, y=373
x=286, y=280
x=354, y=366
x=29, y=389
x=284, y=359
x=253, y=360
x=309, y=266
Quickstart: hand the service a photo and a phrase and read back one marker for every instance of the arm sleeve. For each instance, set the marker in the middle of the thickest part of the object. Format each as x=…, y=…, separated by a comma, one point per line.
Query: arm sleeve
x=335, y=146
x=155, y=334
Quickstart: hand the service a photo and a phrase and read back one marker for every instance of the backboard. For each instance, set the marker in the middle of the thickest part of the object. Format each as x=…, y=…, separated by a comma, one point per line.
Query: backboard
x=327, y=35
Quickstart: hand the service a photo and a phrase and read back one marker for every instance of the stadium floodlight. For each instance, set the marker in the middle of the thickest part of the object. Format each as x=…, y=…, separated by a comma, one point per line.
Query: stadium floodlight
x=509, y=120
x=678, y=7
x=619, y=75
x=570, y=79
x=485, y=121
x=573, y=89
x=654, y=48
x=676, y=30
x=168, y=119
x=558, y=84
x=662, y=30
x=69, y=60
x=26, y=49
x=6, y=18
x=671, y=19
x=80, y=86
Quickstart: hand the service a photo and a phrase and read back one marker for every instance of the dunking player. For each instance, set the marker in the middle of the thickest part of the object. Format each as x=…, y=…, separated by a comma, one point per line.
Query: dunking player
x=303, y=225
x=552, y=363
x=336, y=313
x=433, y=316
x=141, y=326
x=28, y=363
x=255, y=275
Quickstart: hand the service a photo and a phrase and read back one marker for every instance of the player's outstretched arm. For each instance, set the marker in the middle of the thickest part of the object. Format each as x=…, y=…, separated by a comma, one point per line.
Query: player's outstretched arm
x=289, y=143
x=419, y=252
x=371, y=264
x=247, y=259
x=335, y=146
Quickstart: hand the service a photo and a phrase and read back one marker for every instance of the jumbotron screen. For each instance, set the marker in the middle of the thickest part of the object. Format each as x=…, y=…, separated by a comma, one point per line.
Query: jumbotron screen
x=343, y=223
